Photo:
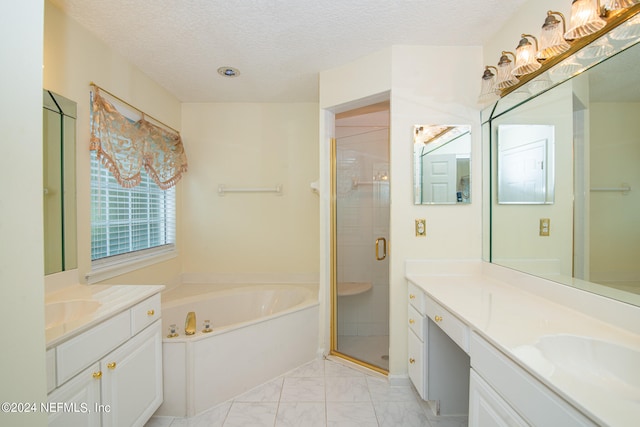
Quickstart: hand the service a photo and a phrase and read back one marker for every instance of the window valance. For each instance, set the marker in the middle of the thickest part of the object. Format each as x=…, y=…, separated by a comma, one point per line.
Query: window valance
x=125, y=146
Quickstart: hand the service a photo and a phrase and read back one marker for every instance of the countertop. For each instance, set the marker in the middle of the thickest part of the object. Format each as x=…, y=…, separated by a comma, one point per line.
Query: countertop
x=513, y=320
x=112, y=299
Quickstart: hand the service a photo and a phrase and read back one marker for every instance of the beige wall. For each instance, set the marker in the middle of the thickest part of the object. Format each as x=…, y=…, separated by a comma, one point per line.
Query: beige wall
x=430, y=85
x=22, y=371
x=73, y=58
x=250, y=145
x=426, y=85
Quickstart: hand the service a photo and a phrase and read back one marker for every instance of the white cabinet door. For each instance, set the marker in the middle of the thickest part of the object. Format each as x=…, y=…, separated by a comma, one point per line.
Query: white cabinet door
x=132, y=380
x=487, y=408
x=74, y=404
x=417, y=364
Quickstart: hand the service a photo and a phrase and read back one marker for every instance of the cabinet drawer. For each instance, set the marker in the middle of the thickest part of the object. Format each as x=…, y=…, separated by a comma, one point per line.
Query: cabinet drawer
x=145, y=313
x=416, y=322
x=450, y=324
x=416, y=298
x=79, y=352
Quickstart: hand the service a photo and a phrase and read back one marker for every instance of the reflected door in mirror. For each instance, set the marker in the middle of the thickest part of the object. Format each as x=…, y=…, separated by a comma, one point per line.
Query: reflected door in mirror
x=442, y=166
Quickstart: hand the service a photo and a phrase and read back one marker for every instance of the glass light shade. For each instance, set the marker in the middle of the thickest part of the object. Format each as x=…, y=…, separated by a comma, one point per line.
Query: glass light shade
x=598, y=49
x=627, y=31
x=585, y=19
x=552, y=40
x=505, y=67
x=540, y=83
x=618, y=4
x=568, y=67
x=488, y=92
x=525, y=57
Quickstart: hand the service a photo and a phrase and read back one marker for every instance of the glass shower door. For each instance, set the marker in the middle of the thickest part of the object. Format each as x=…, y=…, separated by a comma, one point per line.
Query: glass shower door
x=361, y=241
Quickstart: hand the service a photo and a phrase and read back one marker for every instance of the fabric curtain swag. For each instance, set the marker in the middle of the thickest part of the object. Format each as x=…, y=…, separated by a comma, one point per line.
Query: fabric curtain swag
x=125, y=147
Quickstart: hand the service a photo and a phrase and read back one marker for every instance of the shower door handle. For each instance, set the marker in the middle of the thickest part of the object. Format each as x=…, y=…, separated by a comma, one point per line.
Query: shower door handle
x=384, y=248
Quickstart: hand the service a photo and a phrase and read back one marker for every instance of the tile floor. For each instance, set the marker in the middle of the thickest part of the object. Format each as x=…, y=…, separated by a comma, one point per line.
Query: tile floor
x=320, y=393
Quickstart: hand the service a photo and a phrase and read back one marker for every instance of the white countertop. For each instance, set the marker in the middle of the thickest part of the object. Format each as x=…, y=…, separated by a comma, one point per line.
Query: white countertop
x=513, y=319
x=113, y=299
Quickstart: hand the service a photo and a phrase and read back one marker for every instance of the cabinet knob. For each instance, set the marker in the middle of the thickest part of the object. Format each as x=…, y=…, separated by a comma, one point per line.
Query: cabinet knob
x=412, y=360
x=151, y=312
x=411, y=296
x=411, y=321
x=438, y=318
x=97, y=375
x=111, y=365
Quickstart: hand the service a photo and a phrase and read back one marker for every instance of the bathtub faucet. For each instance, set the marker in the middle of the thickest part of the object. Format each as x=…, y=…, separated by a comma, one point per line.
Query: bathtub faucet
x=190, y=323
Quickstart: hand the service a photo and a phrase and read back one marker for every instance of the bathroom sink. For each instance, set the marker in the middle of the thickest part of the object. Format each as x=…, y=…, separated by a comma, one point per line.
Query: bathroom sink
x=57, y=313
x=587, y=360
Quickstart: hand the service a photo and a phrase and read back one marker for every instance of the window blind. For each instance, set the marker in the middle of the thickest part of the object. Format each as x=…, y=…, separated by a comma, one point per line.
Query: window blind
x=129, y=220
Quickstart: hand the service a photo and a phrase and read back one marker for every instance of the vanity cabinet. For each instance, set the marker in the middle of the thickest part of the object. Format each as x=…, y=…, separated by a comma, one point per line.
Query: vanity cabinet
x=416, y=341
x=438, y=366
x=488, y=408
x=514, y=394
x=131, y=385
x=111, y=374
x=75, y=403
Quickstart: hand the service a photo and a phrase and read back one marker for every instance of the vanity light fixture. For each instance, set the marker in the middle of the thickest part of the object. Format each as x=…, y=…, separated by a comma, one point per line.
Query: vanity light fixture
x=526, y=56
x=552, y=40
x=585, y=19
x=228, y=72
x=505, y=67
x=488, y=92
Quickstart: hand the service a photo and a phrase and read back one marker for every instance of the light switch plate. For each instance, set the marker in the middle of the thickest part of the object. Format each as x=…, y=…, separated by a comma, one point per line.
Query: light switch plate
x=421, y=227
x=545, y=226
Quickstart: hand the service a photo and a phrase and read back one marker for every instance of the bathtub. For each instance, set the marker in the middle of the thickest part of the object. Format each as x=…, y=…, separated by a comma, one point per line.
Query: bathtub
x=258, y=332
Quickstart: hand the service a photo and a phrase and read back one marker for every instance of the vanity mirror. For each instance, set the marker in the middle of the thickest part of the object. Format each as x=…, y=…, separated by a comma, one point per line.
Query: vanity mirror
x=442, y=164
x=59, y=182
x=589, y=237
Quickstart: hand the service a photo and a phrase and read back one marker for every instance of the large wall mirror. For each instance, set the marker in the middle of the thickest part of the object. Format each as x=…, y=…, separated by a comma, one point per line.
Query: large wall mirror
x=589, y=235
x=59, y=182
x=442, y=164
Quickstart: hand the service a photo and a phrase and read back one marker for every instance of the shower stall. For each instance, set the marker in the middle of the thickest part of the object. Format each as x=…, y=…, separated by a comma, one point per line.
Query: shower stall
x=360, y=331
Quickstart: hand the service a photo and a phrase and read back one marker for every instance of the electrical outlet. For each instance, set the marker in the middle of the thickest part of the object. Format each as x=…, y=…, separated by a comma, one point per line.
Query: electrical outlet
x=545, y=226
x=421, y=227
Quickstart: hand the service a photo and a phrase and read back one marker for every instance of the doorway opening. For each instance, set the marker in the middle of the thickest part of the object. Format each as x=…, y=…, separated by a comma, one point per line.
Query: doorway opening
x=360, y=236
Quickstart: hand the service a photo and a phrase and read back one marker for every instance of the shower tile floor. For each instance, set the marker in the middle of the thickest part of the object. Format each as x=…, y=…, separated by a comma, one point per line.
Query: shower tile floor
x=373, y=349
x=320, y=393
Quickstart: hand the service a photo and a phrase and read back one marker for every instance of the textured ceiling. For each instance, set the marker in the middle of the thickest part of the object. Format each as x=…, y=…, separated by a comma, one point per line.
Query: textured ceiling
x=279, y=46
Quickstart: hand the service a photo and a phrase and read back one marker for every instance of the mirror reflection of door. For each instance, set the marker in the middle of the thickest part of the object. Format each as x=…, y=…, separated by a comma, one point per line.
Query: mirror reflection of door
x=439, y=178
x=361, y=237
x=442, y=164
x=525, y=162
x=523, y=173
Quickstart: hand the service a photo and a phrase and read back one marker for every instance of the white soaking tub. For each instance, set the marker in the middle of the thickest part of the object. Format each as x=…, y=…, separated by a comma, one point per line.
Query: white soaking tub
x=258, y=332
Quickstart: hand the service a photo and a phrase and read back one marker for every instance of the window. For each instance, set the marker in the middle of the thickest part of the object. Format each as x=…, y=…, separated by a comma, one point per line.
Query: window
x=129, y=220
x=134, y=168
